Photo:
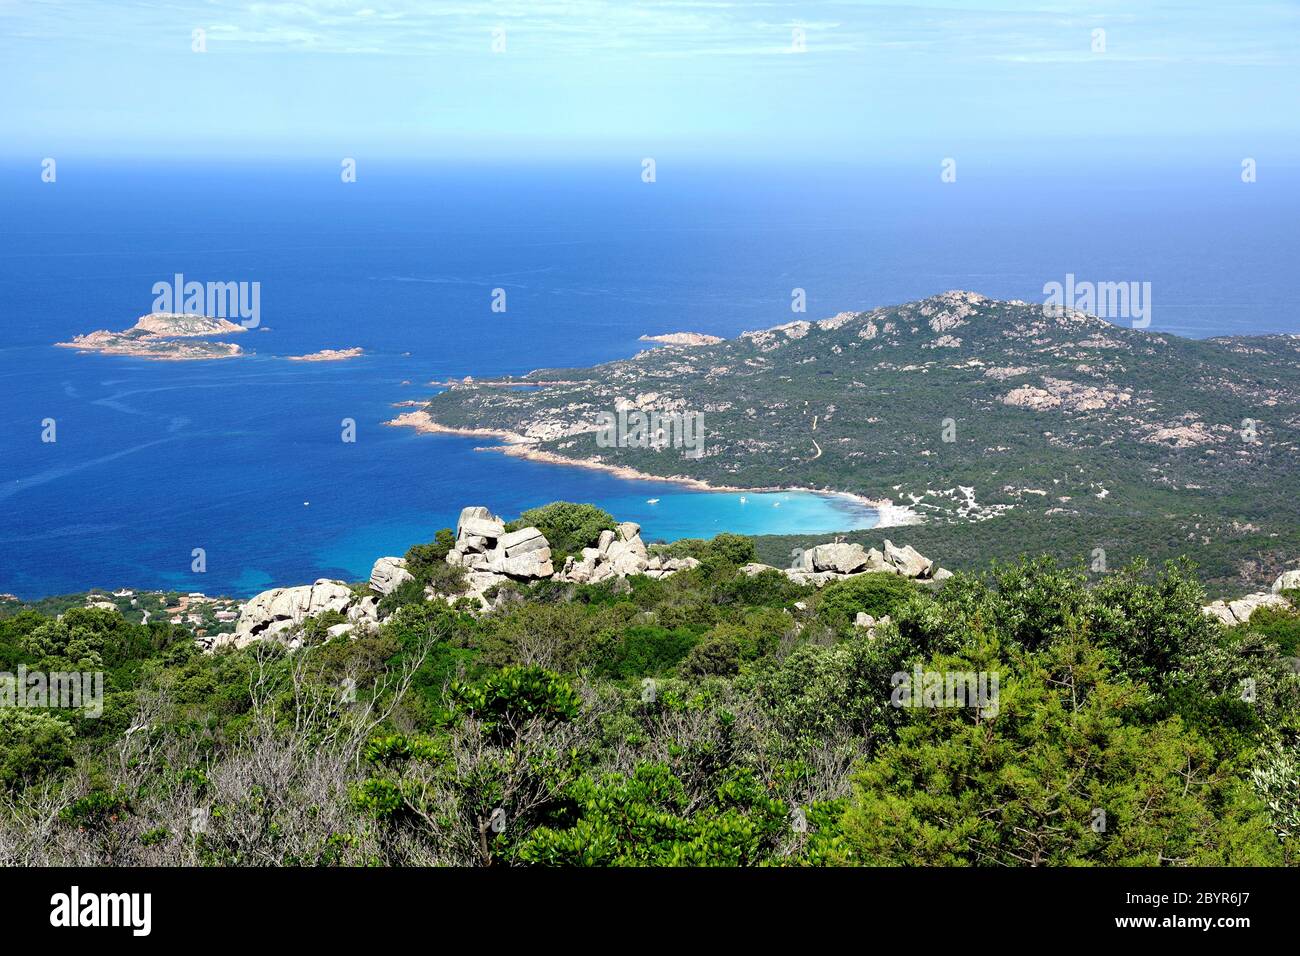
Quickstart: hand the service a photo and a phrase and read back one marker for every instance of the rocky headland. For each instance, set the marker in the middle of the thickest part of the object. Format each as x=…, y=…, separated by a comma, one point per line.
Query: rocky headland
x=1065, y=433
x=689, y=339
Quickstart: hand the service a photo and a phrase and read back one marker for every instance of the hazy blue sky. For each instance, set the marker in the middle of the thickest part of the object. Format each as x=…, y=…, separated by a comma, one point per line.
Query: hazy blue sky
x=705, y=78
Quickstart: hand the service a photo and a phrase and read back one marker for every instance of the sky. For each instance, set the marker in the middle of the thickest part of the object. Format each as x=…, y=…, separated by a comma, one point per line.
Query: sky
x=850, y=82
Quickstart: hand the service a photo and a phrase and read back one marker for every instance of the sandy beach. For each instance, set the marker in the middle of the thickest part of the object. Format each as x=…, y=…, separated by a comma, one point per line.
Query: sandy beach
x=891, y=515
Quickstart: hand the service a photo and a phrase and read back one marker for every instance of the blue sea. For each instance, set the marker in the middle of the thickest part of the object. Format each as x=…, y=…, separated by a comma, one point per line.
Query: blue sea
x=243, y=458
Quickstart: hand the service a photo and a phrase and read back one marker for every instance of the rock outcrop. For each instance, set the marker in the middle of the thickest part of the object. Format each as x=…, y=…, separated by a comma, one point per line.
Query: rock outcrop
x=617, y=553
x=278, y=611
x=842, y=559
x=365, y=611
x=484, y=545
x=660, y=567
x=522, y=554
x=1232, y=613
x=824, y=563
x=907, y=561
x=1286, y=581
x=388, y=574
x=491, y=556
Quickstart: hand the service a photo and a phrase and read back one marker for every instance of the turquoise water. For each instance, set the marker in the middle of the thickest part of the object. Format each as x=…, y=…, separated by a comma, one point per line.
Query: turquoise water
x=243, y=458
x=675, y=514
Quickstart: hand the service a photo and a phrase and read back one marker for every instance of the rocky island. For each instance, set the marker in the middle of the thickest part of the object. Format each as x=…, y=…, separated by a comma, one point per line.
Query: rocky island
x=163, y=336
x=328, y=355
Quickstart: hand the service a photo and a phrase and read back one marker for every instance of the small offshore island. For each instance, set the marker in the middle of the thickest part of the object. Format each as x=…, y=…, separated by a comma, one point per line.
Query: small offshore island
x=183, y=337
x=160, y=336
x=328, y=355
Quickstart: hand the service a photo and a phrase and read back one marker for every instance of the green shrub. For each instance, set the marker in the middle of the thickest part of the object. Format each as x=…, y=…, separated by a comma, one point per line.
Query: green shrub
x=377, y=797
x=33, y=746
x=874, y=594
x=718, y=656
x=1279, y=625
x=645, y=650
x=1026, y=786
x=421, y=557
x=395, y=749
x=514, y=695
x=96, y=809
x=568, y=527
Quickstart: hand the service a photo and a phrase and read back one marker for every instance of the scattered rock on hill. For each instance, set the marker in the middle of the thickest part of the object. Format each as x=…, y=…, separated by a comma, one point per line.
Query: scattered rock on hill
x=1232, y=613
x=869, y=623
x=491, y=556
x=824, y=563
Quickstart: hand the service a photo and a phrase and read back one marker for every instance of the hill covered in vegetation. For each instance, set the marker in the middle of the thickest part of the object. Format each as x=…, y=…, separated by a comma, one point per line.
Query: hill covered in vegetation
x=723, y=714
x=1008, y=430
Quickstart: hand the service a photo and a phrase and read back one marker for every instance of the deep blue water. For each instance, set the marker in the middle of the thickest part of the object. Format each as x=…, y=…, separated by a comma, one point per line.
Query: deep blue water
x=156, y=459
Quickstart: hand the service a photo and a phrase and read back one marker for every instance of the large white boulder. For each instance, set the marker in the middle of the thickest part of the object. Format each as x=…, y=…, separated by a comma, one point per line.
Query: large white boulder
x=907, y=561
x=388, y=574
x=1220, y=610
x=274, y=612
x=1286, y=581
x=1232, y=613
x=815, y=578
x=840, y=558
x=628, y=556
x=477, y=583
x=529, y=565
x=660, y=567
x=477, y=521
x=520, y=554
x=522, y=541
x=365, y=611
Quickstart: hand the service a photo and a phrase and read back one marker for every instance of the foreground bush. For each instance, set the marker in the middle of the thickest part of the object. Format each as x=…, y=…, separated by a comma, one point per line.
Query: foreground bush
x=709, y=718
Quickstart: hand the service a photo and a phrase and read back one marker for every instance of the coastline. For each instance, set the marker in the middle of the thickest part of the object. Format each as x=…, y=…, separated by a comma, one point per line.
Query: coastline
x=889, y=514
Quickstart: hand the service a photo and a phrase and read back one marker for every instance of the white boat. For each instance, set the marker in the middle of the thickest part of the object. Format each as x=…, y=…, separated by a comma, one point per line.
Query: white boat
x=744, y=500
x=652, y=501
